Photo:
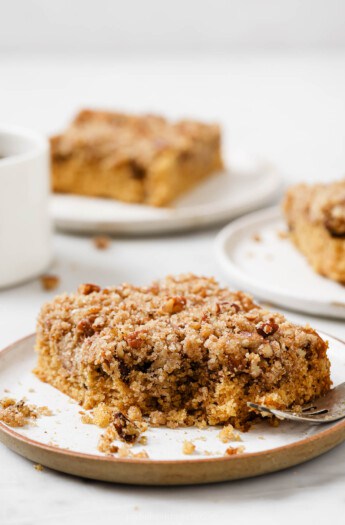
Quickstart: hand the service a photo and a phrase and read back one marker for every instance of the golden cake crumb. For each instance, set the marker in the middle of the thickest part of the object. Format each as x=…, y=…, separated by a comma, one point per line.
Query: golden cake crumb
x=141, y=455
x=19, y=413
x=118, y=426
x=143, y=440
x=38, y=467
x=44, y=411
x=87, y=419
x=257, y=237
x=283, y=234
x=228, y=434
x=188, y=447
x=105, y=442
x=102, y=242
x=50, y=282
x=126, y=452
x=231, y=451
x=102, y=415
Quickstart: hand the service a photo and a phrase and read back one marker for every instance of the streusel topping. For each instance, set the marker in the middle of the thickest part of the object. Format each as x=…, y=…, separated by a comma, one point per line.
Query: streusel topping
x=115, y=138
x=156, y=328
x=321, y=203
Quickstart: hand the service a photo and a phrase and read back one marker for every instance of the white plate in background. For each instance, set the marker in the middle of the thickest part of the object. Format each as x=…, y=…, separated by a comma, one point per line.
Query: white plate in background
x=248, y=184
x=256, y=259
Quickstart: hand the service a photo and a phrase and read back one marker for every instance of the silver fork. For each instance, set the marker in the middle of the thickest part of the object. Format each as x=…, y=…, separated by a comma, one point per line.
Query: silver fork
x=326, y=409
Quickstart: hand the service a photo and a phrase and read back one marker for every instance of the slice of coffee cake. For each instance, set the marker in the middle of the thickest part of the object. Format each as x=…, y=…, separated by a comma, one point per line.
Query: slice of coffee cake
x=182, y=351
x=142, y=159
x=316, y=218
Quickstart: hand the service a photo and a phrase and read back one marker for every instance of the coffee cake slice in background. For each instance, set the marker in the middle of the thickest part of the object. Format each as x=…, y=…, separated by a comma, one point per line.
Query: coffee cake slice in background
x=315, y=215
x=136, y=159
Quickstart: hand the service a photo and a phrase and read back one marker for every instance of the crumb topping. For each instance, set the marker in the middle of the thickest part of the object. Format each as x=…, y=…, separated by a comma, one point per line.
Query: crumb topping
x=19, y=413
x=320, y=203
x=115, y=138
x=155, y=328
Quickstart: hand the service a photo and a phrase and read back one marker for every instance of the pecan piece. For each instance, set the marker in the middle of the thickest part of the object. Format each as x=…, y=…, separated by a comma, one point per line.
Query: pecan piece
x=126, y=429
x=267, y=329
x=134, y=341
x=87, y=288
x=102, y=242
x=50, y=282
x=174, y=305
x=84, y=327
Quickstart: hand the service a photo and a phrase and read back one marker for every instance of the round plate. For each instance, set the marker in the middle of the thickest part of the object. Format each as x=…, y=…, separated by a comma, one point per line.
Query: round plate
x=63, y=443
x=249, y=184
x=257, y=256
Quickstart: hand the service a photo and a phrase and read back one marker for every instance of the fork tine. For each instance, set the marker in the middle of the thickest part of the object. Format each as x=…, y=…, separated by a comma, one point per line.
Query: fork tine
x=317, y=413
x=326, y=409
x=311, y=407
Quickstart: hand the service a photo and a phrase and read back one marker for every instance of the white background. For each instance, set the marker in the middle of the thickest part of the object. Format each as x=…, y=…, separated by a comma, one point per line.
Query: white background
x=177, y=27
x=273, y=73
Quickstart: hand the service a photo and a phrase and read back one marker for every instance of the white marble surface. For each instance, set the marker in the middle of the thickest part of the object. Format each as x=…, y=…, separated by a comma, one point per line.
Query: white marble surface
x=290, y=108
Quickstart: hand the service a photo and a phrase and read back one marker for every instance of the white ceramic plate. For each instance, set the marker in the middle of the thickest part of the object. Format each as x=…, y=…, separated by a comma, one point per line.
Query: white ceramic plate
x=62, y=442
x=250, y=183
x=273, y=269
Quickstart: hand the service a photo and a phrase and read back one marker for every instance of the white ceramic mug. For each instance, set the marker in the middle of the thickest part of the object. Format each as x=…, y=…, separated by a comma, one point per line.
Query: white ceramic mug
x=25, y=228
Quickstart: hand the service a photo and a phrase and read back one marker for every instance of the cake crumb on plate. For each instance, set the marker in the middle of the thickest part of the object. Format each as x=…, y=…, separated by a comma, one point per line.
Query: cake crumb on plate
x=188, y=447
x=50, y=282
x=101, y=242
x=231, y=451
x=18, y=413
x=228, y=434
x=257, y=237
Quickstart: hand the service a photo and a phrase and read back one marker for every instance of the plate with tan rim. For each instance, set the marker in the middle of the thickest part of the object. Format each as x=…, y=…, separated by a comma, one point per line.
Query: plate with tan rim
x=62, y=442
x=249, y=183
x=256, y=254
